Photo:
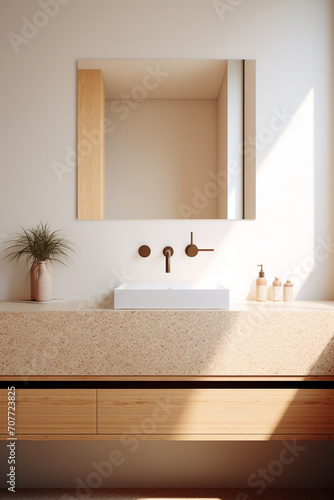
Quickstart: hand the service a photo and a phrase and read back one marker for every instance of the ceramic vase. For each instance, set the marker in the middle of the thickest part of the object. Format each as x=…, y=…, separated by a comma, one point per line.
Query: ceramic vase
x=33, y=271
x=43, y=283
x=33, y=277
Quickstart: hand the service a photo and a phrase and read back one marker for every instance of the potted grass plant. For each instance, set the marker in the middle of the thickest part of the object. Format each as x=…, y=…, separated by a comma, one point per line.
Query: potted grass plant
x=41, y=247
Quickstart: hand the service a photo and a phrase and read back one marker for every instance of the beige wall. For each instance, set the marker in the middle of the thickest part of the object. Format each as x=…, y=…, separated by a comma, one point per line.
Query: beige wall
x=291, y=41
x=159, y=157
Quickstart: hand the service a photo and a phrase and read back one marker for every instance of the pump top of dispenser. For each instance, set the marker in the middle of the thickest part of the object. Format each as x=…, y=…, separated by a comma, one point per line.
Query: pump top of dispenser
x=261, y=273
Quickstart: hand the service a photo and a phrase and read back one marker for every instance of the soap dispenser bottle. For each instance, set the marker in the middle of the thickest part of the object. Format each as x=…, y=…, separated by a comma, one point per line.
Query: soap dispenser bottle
x=261, y=286
x=277, y=290
x=288, y=291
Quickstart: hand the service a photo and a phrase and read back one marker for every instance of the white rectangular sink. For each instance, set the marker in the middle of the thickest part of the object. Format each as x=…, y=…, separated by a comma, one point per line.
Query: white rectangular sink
x=180, y=296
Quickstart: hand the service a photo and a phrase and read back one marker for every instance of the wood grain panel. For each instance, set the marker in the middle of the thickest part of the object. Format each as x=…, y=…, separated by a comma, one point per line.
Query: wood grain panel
x=3, y=411
x=173, y=437
x=91, y=144
x=52, y=411
x=216, y=411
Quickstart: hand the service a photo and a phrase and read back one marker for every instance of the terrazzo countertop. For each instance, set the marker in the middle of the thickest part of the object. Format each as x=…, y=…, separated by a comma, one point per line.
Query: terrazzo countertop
x=249, y=339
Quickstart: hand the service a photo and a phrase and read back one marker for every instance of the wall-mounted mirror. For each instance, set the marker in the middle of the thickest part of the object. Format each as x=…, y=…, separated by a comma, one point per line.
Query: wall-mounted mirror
x=166, y=139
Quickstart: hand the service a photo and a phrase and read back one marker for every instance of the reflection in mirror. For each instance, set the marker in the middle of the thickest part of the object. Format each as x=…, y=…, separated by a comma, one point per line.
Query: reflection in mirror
x=166, y=139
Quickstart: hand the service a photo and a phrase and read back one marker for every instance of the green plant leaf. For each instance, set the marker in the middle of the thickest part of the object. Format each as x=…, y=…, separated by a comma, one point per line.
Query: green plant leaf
x=39, y=243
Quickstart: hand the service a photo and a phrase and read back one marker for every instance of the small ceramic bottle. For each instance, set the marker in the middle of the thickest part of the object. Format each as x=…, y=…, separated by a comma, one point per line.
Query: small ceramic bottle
x=288, y=291
x=261, y=286
x=277, y=290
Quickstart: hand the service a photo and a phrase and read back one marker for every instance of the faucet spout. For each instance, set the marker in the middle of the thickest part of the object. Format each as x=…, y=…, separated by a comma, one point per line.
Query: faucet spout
x=168, y=256
x=168, y=252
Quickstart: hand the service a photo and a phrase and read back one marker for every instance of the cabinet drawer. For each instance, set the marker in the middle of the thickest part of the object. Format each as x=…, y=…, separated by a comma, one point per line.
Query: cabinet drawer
x=216, y=411
x=3, y=411
x=52, y=411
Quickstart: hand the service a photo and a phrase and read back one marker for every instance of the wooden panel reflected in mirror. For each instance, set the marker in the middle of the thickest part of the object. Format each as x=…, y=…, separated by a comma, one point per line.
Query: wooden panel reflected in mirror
x=91, y=145
x=174, y=133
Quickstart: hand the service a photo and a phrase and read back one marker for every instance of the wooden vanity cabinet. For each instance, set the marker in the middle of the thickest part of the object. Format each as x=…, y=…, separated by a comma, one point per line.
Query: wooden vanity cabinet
x=216, y=411
x=3, y=413
x=179, y=410
x=51, y=411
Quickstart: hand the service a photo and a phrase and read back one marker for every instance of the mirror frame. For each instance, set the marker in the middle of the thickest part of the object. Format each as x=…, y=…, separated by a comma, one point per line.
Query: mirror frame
x=91, y=128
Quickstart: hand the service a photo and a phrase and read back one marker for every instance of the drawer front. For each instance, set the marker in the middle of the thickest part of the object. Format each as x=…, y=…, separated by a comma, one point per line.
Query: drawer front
x=3, y=411
x=215, y=411
x=52, y=411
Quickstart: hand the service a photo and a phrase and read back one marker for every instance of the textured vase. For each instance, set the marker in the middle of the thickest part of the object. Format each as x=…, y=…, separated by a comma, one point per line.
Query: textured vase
x=33, y=271
x=43, y=284
x=49, y=268
x=33, y=277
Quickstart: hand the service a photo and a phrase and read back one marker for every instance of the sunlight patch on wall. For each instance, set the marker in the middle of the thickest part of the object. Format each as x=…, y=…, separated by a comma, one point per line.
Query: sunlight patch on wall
x=285, y=214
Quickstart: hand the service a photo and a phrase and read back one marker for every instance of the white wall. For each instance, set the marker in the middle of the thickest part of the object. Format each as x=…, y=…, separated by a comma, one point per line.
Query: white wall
x=292, y=43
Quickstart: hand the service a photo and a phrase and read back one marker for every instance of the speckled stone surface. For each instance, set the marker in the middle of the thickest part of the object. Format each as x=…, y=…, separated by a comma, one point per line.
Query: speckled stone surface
x=79, y=338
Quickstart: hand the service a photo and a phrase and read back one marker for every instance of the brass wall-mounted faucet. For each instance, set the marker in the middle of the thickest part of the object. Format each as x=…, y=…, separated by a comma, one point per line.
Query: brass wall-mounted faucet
x=168, y=252
x=145, y=251
x=192, y=250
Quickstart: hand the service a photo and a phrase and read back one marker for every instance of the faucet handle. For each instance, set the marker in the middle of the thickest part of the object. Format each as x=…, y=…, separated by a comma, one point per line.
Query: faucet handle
x=192, y=249
x=144, y=251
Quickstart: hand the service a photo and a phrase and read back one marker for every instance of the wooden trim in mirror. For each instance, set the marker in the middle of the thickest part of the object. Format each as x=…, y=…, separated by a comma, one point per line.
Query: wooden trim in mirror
x=91, y=145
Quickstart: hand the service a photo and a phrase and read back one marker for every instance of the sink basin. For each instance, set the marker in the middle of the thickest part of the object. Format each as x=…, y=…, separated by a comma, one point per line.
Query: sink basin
x=180, y=296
